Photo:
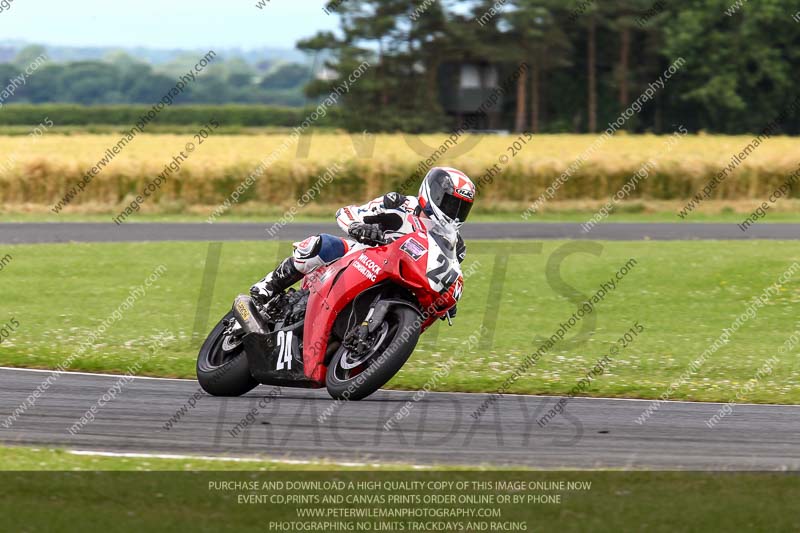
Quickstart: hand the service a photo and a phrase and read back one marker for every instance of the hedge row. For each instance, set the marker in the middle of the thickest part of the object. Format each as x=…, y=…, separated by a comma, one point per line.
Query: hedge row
x=127, y=115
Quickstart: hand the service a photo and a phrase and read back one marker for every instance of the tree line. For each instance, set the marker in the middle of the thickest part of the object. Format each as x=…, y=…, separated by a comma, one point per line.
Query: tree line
x=123, y=79
x=587, y=60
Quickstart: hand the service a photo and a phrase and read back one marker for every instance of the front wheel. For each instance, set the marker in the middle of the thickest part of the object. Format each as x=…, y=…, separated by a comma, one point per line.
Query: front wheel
x=222, y=367
x=353, y=376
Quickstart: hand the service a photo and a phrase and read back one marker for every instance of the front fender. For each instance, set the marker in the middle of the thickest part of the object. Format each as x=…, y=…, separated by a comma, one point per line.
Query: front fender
x=382, y=307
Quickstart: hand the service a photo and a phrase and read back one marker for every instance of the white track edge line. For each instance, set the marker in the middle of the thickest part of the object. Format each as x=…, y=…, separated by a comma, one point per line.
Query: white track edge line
x=143, y=455
x=579, y=398
x=44, y=370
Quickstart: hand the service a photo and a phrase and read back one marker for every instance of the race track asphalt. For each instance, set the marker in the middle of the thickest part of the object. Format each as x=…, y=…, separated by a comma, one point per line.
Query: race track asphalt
x=14, y=233
x=594, y=433
x=439, y=429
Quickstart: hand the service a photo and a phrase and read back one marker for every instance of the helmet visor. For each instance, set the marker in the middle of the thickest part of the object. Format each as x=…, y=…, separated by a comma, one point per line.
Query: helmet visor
x=455, y=208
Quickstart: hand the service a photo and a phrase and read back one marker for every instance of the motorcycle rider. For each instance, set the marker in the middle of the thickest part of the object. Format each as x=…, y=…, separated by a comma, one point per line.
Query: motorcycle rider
x=445, y=196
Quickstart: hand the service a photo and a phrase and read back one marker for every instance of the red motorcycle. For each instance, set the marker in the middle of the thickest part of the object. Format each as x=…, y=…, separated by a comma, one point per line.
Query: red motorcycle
x=350, y=328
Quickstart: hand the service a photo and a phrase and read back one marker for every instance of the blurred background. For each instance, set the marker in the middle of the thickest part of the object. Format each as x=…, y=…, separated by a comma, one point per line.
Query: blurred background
x=431, y=60
x=638, y=69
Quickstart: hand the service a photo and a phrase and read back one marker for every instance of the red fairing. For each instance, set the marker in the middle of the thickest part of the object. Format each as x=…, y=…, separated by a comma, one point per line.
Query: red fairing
x=403, y=262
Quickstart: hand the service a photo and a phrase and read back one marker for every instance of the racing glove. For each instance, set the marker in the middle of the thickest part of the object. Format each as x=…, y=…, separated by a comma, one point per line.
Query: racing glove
x=366, y=233
x=461, y=249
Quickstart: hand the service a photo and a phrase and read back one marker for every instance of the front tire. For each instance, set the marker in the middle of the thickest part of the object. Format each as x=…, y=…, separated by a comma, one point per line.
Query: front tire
x=220, y=372
x=396, y=339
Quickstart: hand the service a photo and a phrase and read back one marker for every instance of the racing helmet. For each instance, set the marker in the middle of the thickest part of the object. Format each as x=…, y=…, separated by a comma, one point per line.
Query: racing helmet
x=446, y=195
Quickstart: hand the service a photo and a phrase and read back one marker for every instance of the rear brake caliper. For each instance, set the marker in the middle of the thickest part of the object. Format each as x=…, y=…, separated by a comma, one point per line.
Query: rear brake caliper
x=229, y=324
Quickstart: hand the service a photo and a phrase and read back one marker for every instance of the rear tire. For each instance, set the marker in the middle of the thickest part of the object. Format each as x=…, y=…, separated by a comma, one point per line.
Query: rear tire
x=391, y=355
x=221, y=373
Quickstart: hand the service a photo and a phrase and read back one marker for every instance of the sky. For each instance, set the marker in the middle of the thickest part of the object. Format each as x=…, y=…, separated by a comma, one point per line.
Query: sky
x=191, y=24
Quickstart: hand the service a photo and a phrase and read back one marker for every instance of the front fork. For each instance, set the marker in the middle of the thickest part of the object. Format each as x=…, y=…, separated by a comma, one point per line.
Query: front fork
x=377, y=314
x=358, y=338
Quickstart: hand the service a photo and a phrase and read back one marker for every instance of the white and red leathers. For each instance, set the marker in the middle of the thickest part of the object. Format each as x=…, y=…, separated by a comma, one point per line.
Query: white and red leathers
x=445, y=196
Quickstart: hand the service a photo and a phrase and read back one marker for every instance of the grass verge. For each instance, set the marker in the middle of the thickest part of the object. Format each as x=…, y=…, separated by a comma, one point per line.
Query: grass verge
x=248, y=500
x=684, y=294
x=16, y=458
x=729, y=211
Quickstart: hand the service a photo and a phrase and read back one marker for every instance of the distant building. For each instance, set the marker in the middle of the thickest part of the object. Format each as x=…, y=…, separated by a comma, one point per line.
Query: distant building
x=465, y=87
x=326, y=74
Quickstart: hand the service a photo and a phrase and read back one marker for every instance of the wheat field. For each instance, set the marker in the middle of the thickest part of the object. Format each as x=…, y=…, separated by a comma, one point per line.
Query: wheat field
x=41, y=170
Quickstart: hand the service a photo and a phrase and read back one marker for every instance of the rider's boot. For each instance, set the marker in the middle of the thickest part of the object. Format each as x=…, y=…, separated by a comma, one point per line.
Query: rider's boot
x=280, y=279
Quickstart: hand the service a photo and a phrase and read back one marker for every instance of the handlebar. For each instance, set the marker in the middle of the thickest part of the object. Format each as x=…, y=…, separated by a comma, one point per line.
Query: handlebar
x=384, y=240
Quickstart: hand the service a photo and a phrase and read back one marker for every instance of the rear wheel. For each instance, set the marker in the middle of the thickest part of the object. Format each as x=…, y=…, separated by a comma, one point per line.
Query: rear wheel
x=355, y=375
x=222, y=367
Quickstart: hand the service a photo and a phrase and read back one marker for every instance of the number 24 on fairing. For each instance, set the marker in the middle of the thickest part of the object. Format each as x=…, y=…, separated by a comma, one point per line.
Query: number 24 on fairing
x=285, y=350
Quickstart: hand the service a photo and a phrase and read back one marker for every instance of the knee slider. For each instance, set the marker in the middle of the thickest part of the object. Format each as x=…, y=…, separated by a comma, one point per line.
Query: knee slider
x=307, y=248
x=316, y=251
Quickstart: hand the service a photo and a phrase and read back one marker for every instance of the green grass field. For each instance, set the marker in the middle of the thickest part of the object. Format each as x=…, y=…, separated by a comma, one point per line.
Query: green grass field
x=683, y=293
x=136, y=496
x=25, y=459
